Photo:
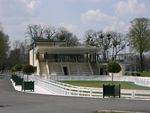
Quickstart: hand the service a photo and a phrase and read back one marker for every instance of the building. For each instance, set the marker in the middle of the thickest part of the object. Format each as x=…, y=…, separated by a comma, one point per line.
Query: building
x=55, y=58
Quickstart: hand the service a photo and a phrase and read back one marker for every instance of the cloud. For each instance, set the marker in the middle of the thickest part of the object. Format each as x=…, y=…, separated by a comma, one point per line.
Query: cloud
x=119, y=26
x=95, y=16
x=130, y=8
x=69, y=27
x=106, y=22
x=30, y=4
x=94, y=1
x=15, y=15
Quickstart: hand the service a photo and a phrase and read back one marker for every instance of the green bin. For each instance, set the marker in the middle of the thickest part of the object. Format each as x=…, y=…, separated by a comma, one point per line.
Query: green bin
x=28, y=85
x=111, y=90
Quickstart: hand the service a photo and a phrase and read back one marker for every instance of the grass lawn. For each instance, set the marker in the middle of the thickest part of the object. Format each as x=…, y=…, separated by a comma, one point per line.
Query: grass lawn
x=145, y=74
x=99, y=84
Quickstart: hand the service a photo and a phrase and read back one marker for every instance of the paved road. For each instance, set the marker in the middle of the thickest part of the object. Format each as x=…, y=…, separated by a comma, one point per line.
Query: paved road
x=12, y=101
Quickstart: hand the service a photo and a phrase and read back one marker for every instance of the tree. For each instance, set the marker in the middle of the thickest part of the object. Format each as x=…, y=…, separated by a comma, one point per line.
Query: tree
x=139, y=37
x=28, y=69
x=89, y=38
x=4, y=47
x=14, y=57
x=49, y=32
x=118, y=43
x=17, y=68
x=19, y=53
x=13, y=69
x=109, y=41
x=99, y=39
x=68, y=37
x=24, y=50
x=35, y=31
x=113, y=67
x=104, y=40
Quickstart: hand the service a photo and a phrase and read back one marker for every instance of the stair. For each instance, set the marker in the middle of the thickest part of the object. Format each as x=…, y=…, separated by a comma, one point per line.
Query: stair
x=95, y=68
x=43, y=69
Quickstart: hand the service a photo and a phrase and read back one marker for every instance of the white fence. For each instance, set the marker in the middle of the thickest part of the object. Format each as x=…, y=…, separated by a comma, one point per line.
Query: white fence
x=59, y=88
x=143, y=81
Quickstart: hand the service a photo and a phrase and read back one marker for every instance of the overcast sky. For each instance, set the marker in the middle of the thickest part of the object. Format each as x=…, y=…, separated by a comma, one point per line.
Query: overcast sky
x=76, y=15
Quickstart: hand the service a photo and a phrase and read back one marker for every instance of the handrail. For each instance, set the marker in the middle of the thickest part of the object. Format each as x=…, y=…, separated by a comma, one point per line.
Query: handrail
x=67, y=89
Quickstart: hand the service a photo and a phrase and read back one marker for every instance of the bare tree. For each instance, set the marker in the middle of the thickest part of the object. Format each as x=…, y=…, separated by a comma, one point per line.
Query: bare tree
x=49, y=32
x=99, y=39
x=89, y=38
x=68, y=37
x=35, y=31
x=109, y=41
x=119, y=42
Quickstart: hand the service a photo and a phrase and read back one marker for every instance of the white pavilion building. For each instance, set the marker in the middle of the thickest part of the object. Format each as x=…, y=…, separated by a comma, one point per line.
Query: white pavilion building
x=55, y=58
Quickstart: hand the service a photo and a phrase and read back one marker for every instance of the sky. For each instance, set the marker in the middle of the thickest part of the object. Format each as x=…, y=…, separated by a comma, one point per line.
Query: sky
x=77, y=16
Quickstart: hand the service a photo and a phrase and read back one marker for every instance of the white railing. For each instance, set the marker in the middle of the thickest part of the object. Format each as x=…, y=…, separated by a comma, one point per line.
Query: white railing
x=143, y=81
x=59, y=88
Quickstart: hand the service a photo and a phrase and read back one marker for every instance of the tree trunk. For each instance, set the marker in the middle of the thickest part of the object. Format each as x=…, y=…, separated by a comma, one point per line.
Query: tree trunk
x=141, y=62
x=104, y=56
x=112, y=78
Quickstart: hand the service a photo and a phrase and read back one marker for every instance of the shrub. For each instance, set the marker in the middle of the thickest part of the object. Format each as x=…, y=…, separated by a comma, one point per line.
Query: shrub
x=17, y=67
x=28, y=69
x=13, y=69
x=113, y=67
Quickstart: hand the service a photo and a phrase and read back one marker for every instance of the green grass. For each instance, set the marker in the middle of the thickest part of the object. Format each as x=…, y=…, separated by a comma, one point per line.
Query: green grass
x=145, y=74
x=99, y=84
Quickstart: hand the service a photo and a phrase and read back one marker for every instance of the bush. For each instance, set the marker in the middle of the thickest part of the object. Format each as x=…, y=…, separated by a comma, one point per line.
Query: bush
x=113, y=67
x=16, y=68
x=138, y=74
x=13, y=69
x=28, y=69
x=135, y=74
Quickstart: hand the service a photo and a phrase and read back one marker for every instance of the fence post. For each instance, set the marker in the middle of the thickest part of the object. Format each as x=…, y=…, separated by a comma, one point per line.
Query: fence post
x=78, y=91
x=133, y=94
x=90, y=92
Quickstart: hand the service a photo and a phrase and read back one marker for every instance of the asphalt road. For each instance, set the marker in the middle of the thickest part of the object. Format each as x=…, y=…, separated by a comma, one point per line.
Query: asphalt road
x=12, y=101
